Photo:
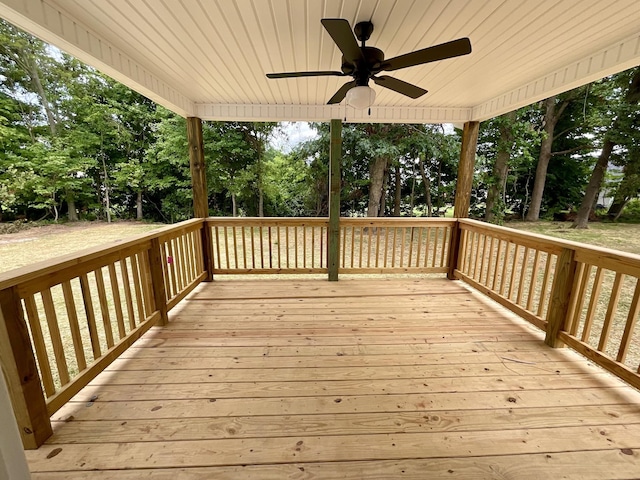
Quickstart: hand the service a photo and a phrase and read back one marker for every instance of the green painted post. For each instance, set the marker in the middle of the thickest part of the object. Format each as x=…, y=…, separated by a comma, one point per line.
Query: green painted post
x=335, y=160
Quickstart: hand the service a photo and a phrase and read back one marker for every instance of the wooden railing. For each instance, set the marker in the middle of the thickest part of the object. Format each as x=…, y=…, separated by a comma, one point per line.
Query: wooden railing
x=269, y=245
x=585, y=297
x=400, y=245
x=63, y=321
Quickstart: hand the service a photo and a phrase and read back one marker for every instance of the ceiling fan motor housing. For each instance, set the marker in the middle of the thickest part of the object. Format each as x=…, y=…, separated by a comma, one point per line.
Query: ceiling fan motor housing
x=363, y=69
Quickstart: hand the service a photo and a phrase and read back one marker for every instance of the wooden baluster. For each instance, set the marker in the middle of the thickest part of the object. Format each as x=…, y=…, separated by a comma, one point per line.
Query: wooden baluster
x=91, y=316
x=386, y=246
x=369, y=233
x=535, y=270
x=278, y=242
x=261, y=247
x=472, y=253
x=296, y=243
x=377, y=246
x=270, y=240
x=127, y=291
x=419, y=247
x=226, y=247
x=482, y=250
x=343, y=233
x=172, y=267
x=54, y=334
x=74, y=326
x=578, y=305
x=499, y=261
x=104, y=307
x=361, y=241
x=145, y=282
x=436, y=236
x=184, y=264
x=490, y=259
x=313, y=247
x=632, y=318
x=218, y=246
x=137, y=288
x=523, y=269
x=512, y=276
x=444, y=251
x=503, y=274
x=404, y=232
x=253, y=247
x=611, y=311
x=545, y=283
x=117, y=303
x=411, y=235
x=593, y=304
x=427, y=248
x=393, y=247
x=21, y=372
x=286, y=239
x=235, y=248
x=244, y=247
x=39, y=345
x=304, y=246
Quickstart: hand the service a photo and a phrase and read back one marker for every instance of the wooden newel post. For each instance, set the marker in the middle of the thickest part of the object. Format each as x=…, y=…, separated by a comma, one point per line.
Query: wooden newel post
x=198, y=167
x=21, y=373
x=560, y=296
x=335, y=159
x=157, y=280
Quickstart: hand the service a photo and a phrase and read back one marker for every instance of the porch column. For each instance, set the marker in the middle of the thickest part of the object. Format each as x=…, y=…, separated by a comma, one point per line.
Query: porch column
x=335, y=159
x=465, y=169
x=199, y=187
x=198, y=168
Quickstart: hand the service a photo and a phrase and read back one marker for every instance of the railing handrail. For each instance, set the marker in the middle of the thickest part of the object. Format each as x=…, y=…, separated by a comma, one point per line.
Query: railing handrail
x=555, y=245
x=40, y=269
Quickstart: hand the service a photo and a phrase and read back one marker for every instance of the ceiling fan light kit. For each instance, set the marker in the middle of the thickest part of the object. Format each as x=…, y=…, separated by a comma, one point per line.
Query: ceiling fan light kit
x=365, y=63
x=361, y=97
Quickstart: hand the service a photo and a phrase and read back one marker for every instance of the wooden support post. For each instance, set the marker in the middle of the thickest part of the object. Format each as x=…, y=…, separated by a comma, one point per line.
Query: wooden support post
x=21, y=373
x=560, y=296
x=465, y=169
x=198, y=168
x=199, y=185
x=335, y=161
x=157, y=280
x=454, y=250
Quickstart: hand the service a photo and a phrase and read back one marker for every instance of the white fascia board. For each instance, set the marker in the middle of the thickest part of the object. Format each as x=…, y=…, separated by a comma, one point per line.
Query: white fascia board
x=323, y=113
x=613, y=59
x=58, y=28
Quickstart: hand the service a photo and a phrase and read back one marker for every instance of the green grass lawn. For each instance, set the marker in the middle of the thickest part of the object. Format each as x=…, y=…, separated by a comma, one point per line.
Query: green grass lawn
x=48, y=241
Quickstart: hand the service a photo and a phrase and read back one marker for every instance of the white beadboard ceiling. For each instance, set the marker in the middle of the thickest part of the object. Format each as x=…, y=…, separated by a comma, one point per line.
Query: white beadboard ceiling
x=208, y=58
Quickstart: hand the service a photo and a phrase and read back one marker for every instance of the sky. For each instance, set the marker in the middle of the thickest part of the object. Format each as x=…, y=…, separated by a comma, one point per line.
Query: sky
x=293, y=134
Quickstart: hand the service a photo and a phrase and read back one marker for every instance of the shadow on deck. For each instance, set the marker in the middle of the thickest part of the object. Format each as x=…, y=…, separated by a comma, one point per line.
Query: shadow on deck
x=366, y=378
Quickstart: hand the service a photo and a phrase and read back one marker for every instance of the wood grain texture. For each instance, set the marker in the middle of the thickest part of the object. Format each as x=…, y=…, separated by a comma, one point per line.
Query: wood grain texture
x=362, y=379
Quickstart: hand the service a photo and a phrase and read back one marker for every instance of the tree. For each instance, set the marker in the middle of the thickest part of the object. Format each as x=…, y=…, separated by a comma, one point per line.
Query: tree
x=625, y=119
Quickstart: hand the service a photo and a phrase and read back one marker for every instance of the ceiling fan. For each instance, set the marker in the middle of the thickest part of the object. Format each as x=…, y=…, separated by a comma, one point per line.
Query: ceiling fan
x=364, y=63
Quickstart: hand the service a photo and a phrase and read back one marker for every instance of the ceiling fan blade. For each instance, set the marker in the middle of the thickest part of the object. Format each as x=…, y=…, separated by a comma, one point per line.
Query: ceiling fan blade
x=340, y=94
x=305, y=74
x=455, y=48
x=399, y=86
x=342, y=35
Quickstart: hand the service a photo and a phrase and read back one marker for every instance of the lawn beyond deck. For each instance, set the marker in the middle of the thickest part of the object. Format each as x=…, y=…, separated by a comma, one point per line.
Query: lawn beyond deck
x=360, y=379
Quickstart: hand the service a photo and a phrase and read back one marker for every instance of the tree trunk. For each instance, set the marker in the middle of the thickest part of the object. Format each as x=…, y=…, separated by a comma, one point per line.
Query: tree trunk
x=34, y=73
x=427, y=187
x=376, y=176
x=550, y=120
x=593, y=188
x=72, y=215
x=500, y=167
x=234, y=208
x=383, y=194
x=139, y=205
x=616, y=208
x=397, y=199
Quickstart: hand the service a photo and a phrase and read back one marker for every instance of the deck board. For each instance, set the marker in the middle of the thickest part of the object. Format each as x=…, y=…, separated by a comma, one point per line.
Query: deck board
x=360, y=379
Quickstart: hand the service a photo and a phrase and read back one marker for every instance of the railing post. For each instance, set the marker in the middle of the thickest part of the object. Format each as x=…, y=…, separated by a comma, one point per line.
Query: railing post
x=157, y=280
x=333, y=242
x=21, y=373
x=207, y=250
x=560, y=296
x=454, y=249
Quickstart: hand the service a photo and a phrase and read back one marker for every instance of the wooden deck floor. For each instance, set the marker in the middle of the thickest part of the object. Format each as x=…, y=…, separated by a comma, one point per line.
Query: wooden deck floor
x=363, y=379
